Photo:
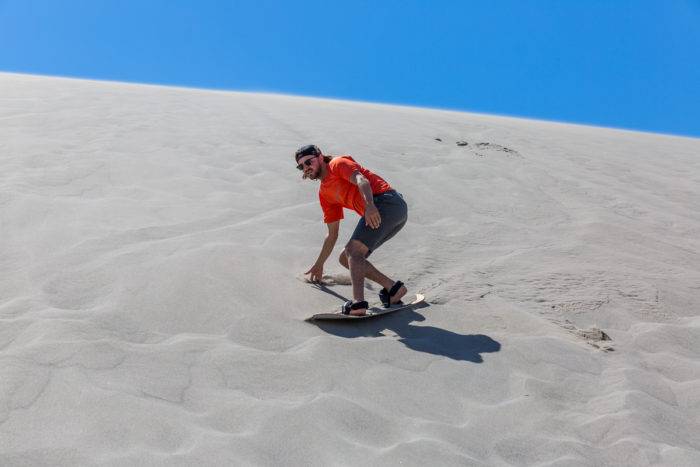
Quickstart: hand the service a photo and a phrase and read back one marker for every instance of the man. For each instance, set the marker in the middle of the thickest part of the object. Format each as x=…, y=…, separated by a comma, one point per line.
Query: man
x=383, y=212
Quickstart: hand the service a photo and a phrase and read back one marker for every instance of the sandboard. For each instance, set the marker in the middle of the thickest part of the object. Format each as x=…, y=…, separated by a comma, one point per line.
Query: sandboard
x=372, y=312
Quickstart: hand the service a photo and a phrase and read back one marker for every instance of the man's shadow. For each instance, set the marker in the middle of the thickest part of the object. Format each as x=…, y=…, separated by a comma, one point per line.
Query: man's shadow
x=427, y=339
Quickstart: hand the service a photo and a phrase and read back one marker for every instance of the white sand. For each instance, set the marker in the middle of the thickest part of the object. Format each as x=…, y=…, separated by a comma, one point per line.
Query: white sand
x=150, y=314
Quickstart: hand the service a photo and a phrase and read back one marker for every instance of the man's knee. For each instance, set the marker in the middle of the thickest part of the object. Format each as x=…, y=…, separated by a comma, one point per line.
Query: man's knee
x=343, y=259
x=355, y=249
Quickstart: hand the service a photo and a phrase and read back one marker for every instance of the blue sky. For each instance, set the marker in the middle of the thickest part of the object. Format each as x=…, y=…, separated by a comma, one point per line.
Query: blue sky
x=618, y=63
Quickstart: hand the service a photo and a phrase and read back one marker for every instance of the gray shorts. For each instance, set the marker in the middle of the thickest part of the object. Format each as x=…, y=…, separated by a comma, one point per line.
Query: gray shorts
x=394, y=212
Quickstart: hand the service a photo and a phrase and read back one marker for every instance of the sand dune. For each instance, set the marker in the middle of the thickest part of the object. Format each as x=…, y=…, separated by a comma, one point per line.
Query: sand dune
x=150, y=312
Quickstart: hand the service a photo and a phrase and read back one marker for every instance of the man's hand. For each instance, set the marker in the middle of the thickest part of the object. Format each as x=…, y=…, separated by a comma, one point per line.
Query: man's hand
x=372, y=217
x=316, y=272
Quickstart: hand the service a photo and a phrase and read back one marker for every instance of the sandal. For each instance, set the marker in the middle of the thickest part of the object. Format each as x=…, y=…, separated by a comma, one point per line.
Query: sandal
x=385, y=295
x=350, y=305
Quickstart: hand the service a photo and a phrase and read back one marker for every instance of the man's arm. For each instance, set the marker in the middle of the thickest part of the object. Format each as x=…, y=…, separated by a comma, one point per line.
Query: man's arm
x=316, y=270
x=372, y=217
x=329, y=242
x=364, y=186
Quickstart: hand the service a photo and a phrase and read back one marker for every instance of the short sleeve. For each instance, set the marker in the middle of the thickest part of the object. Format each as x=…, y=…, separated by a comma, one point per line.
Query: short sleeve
x=343, y=167
x=331, y=212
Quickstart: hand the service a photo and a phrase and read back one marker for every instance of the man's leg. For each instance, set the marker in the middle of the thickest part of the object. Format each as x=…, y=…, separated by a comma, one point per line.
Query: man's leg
x=394, y=213
x=356, y=251
x=371, y=272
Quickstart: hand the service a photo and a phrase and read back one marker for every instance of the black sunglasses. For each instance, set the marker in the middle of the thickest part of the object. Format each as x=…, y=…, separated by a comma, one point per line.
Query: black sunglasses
x=307, y=163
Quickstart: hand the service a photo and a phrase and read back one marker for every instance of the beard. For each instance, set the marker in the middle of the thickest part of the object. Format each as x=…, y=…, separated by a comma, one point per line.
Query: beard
x=313, y=175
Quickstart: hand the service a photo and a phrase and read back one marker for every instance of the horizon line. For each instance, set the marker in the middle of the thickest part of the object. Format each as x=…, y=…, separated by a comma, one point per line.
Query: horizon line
x=347, y=100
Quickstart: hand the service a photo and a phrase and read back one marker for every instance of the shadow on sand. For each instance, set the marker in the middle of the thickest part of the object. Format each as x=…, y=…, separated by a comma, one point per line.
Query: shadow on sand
x=427, y=339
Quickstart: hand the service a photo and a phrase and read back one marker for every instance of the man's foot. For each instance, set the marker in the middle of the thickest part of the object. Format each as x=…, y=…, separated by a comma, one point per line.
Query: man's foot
x=396, y=298
x=394, y=295
x=355, y=308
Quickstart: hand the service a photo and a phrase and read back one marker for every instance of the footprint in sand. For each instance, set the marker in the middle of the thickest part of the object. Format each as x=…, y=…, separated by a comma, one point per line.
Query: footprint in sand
x=593, y=336
x=485, y=149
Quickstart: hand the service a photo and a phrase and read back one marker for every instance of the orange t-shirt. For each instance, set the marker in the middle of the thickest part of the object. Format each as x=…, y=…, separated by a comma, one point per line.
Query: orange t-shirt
x=338, y=192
